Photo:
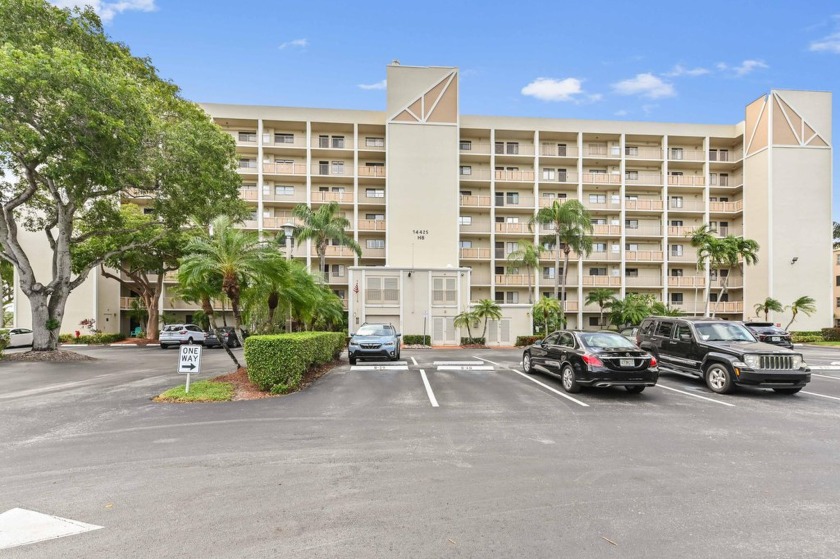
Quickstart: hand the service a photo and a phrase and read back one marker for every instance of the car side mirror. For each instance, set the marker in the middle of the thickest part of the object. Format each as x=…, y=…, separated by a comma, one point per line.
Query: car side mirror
x=399, y=335
x=685, y=337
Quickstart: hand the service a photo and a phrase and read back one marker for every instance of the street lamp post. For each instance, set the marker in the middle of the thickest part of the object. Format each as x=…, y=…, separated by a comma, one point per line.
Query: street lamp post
x=288, y=231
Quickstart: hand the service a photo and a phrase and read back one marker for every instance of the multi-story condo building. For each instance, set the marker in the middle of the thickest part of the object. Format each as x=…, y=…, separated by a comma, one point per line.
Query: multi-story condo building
x=438, y=200
x=836, y=284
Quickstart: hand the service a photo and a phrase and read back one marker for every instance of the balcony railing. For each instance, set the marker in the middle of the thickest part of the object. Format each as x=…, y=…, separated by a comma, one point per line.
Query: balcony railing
x=520, y=201
x=335, y=250
x=512, y=228
x=284, y=168
x=682, y=230
x=643, y=255
x=686, y=206
x=644, y=230
x=654, y=179
x=477, y=147
x=644, y=205
x=476, y=226
x=643, y=152
x=683, y=154
x=604, y=255
x=508, y=148
x=730, y=156
x=646, y=280
x=726, y=180
x=478, y=253
x=570, y=306
x=476, y=174
x=686, y=256
x=515, y=176
x=552, y=149
x=601, y=151
x=601, y=281
x=600, y=230
x=568, y=177
x=340, y=197
x=513, y=279
x=686, y=180
x=601, y=178
x=607, y=204
x=726, y=207
x=371, y=225
x=298, y=141
x=727, y=306
x=329, y=170
x=377, y=171
x=249, y=193
x=373, y=252
x=475, y=201
x=327, y=142
x=686, y=281
x=732, y=281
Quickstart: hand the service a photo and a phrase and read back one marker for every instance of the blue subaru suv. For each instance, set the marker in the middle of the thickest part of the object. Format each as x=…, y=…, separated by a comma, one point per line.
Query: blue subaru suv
x=374, y=340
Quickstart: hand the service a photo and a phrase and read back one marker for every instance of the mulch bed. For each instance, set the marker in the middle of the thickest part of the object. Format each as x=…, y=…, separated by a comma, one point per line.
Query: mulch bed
x=57, y=356
x=244, y=389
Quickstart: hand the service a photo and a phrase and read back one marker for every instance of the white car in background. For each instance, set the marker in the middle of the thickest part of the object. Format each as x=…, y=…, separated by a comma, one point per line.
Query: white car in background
x=177, y=334
x=19, y=337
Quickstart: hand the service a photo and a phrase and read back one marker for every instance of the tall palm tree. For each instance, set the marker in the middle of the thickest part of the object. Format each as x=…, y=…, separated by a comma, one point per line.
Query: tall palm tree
x=603, y=297
x=836, y=233
x=769, y=304
x=232, y=257
x=659, y=308
x=803, y=304
x=201, y=288
x=322, y=226
x=547, y=307
x=722, y=254
x=572, y=230
x=527, y=256
x=487, y=309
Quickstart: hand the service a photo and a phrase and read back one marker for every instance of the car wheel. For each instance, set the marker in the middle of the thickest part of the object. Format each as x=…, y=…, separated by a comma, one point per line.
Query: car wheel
x=352, y=360
x=634, y=389
x=164, y=346
x=787, y=390
x=527, y=365
x=569, y=383
x=718, y=378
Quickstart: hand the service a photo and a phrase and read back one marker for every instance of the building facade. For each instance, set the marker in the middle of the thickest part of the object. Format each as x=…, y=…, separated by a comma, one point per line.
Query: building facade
x=438, y=200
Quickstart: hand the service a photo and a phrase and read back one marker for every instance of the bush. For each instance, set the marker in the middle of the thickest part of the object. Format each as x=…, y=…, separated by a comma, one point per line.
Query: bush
x=278, y=362
x=91, y=339
x=522, y=341
x=417, y=339
x=831, y=334
x=4, y=341
x=806, y=336
x=472, y=341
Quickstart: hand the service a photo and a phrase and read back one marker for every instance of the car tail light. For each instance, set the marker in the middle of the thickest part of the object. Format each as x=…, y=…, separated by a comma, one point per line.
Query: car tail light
x=592, y=360
x=653, y=362
x=182, y=332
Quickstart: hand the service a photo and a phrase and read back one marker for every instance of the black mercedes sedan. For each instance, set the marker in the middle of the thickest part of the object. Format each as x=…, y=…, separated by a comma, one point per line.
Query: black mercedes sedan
x=592, y=359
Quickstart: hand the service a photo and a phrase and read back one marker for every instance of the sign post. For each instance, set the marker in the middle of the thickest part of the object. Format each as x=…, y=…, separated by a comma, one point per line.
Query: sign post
x=189, y=362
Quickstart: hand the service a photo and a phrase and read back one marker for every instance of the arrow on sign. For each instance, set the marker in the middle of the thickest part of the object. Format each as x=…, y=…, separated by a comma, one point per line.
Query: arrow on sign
x=190, y=366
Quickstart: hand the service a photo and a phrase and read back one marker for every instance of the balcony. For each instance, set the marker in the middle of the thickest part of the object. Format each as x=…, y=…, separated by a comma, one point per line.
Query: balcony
x=685, y=256
x=644, y=280
x=373, y=252
x=477, y=253
x=732, y=281
x=477, y=147
x=643, y=179
x=326, y=197
x=686, y=180
x=683, y=154
x=728, y=307
x=329, y=170
x=682, y=231
x=650, y=229
x=643, y=152
x=554, y=149
x=518, y=280
x=250, y=194
x=297, y=169
x=514, y=176
x=507, y=147
x=371, y=225
x=726, y=207
x=339, y=251
x=686, y=206
x=606, y=230
x=570, y=306
x=601, y=178
x=278, y=222
x=643, y=255
x=337, y=142
x=548, y=282
x=728, y=156
x=372, y=171
x=731, y=181
x=247, y=168
x=174, y=303
x=603, y=255
x=644, y=205
x=686, y=281
x=608, y=204
x=568, y=177
x=601, y=151
x=601, y=281
x=475, y=201
x=476, y=226
x=512, y=228
x=519, y=201
x=279, y=141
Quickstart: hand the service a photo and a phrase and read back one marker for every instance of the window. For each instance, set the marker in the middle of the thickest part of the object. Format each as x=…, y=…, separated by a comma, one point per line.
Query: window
x=247, y=163
x=375, y=243
x=375, y=192
x=500, y=297
x=676, y=250
x=631, y=223
x=676, y=223
x=631, y=272
x=466, y=145
x=597, y=198
x=465, y=220
x=337, y=167
x=724, y=179
x=512, y=198
x=566, y=340
x=284, y=190
x=599, y=247
x=548, y=174
x=375, y=142
x=561, y=150
x=594, y=321
x=838, y=259
x=837, y=302
x=665, y=329
x=631, y=175
x=512, y=297
x=466, y=192
x=631, y=151
x=337, y=270
x=837, y=281
x=323, y=167
x=676, y=299
x=323, y=141
x=676, y=201
x=676, y=153
x=247, y=136
x=148, y=211
x=599, y=221
x=464, y=244
x=631, y=246
x=511, y=148
x=549, y=272
x=676, y=272
x=375, y=217
x=683, y=330
x=338, y=142
x=466, y=170
x=284, y=138
x=598, y=271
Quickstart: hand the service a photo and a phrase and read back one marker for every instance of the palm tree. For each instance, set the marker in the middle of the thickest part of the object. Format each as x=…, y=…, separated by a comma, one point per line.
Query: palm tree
x=487, y=309
x=659, y=308
x=466, y=320
x=630, y=310
x=769, y=304
x=805, y=305
x=547, y=307
x=203, y=288
x=722, y=254
x=572, y=230
x=836, y=233
x=603, y=297
x=527, y=256
x=322, y=226
x=232, y=257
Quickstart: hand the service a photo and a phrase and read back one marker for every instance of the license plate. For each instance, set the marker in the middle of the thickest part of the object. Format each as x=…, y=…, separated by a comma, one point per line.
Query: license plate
x=627, y=362
x=774, y=338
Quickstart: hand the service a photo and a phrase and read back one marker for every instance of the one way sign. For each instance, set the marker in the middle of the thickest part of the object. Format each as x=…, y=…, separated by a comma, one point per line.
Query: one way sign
x=189, y=361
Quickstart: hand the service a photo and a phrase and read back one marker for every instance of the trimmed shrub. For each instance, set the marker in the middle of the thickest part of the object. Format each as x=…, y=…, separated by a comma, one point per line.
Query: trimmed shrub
x=417, y=339
x=800, y=338
x=831, y=334
x=91, y=339
x=522, y=341
x=4, y=342
x=278, y=362
x=472, y=341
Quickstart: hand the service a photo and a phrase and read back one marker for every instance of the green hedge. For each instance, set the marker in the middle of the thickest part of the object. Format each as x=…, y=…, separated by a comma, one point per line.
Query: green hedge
x=472, y=341
x=277, y=363
x=417, y=339
x=831, y=334
x=527, y=340
x=804, y=338
x=91, y=339
x=4, y=342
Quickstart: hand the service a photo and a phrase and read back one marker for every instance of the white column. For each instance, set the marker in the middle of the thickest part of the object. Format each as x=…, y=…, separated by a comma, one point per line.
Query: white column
x=356, y=195
x=493, y=214
x=309, y=189
x=580, y=259
x=622, y=218
x=260, y=178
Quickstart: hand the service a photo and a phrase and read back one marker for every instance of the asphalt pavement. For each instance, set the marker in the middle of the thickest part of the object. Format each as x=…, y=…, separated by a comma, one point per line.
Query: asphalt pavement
x=445, y=453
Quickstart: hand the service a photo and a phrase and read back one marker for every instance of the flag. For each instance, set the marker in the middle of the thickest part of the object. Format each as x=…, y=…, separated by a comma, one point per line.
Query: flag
x=356, y=287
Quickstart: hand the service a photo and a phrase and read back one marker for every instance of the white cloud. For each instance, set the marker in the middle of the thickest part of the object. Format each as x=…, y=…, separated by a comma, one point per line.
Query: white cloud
x=378, y=85
x=622, y=112
x=646, y=85
x=107, y=10
x=680, y=70
x=296, y=43
x=721, y=66
x=748, y=66
x=549, y=89
x=829, y=43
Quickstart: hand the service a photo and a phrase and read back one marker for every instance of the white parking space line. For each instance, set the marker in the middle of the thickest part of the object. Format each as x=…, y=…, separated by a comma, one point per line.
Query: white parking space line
x=660, y=385
x=379, y=368
x=824, y=367
x=465, y=368
x=431, y=394
x=821, y=395
x=413, y=360
x=23, y=527
x=459, y=362
x=575, y=400
x=824, y=376
x=391, y=363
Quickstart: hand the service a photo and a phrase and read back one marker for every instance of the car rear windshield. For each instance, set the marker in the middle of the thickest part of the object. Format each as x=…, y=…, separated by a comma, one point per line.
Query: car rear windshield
x=770, y=330
x=173, y=327
x=600, y=340
x=724, y=332
x=374, y=330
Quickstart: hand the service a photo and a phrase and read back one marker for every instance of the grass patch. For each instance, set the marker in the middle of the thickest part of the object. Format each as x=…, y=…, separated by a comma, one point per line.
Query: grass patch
x=201, y=391
x=823, y=343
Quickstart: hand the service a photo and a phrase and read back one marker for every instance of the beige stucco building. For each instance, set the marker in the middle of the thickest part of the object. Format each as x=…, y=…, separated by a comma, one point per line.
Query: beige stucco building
x=438, y=200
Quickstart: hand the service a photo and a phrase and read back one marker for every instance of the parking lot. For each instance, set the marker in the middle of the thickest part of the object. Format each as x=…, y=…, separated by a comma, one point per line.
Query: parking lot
x=445, y=453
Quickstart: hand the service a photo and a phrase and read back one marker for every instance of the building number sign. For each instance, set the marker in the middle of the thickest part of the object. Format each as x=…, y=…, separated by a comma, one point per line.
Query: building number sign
x=420, y=234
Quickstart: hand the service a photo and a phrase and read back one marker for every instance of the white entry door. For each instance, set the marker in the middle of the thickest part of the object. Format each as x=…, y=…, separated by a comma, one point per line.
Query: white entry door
x=444, y=331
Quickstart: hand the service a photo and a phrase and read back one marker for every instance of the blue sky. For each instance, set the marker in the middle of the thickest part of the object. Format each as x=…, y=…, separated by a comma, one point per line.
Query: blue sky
x=595, y=60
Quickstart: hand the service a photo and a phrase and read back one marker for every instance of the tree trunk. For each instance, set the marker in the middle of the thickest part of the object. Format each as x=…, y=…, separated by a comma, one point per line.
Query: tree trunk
x=792, y=318
x=208, y=311
x=566, y=252
x=557, y=267
x=45, y=309
x=530, y=289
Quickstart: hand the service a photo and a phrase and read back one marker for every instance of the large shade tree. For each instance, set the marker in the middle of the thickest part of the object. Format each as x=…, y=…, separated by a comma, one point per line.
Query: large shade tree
x=322, y=226
x=572, y=229
x=84, y=123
